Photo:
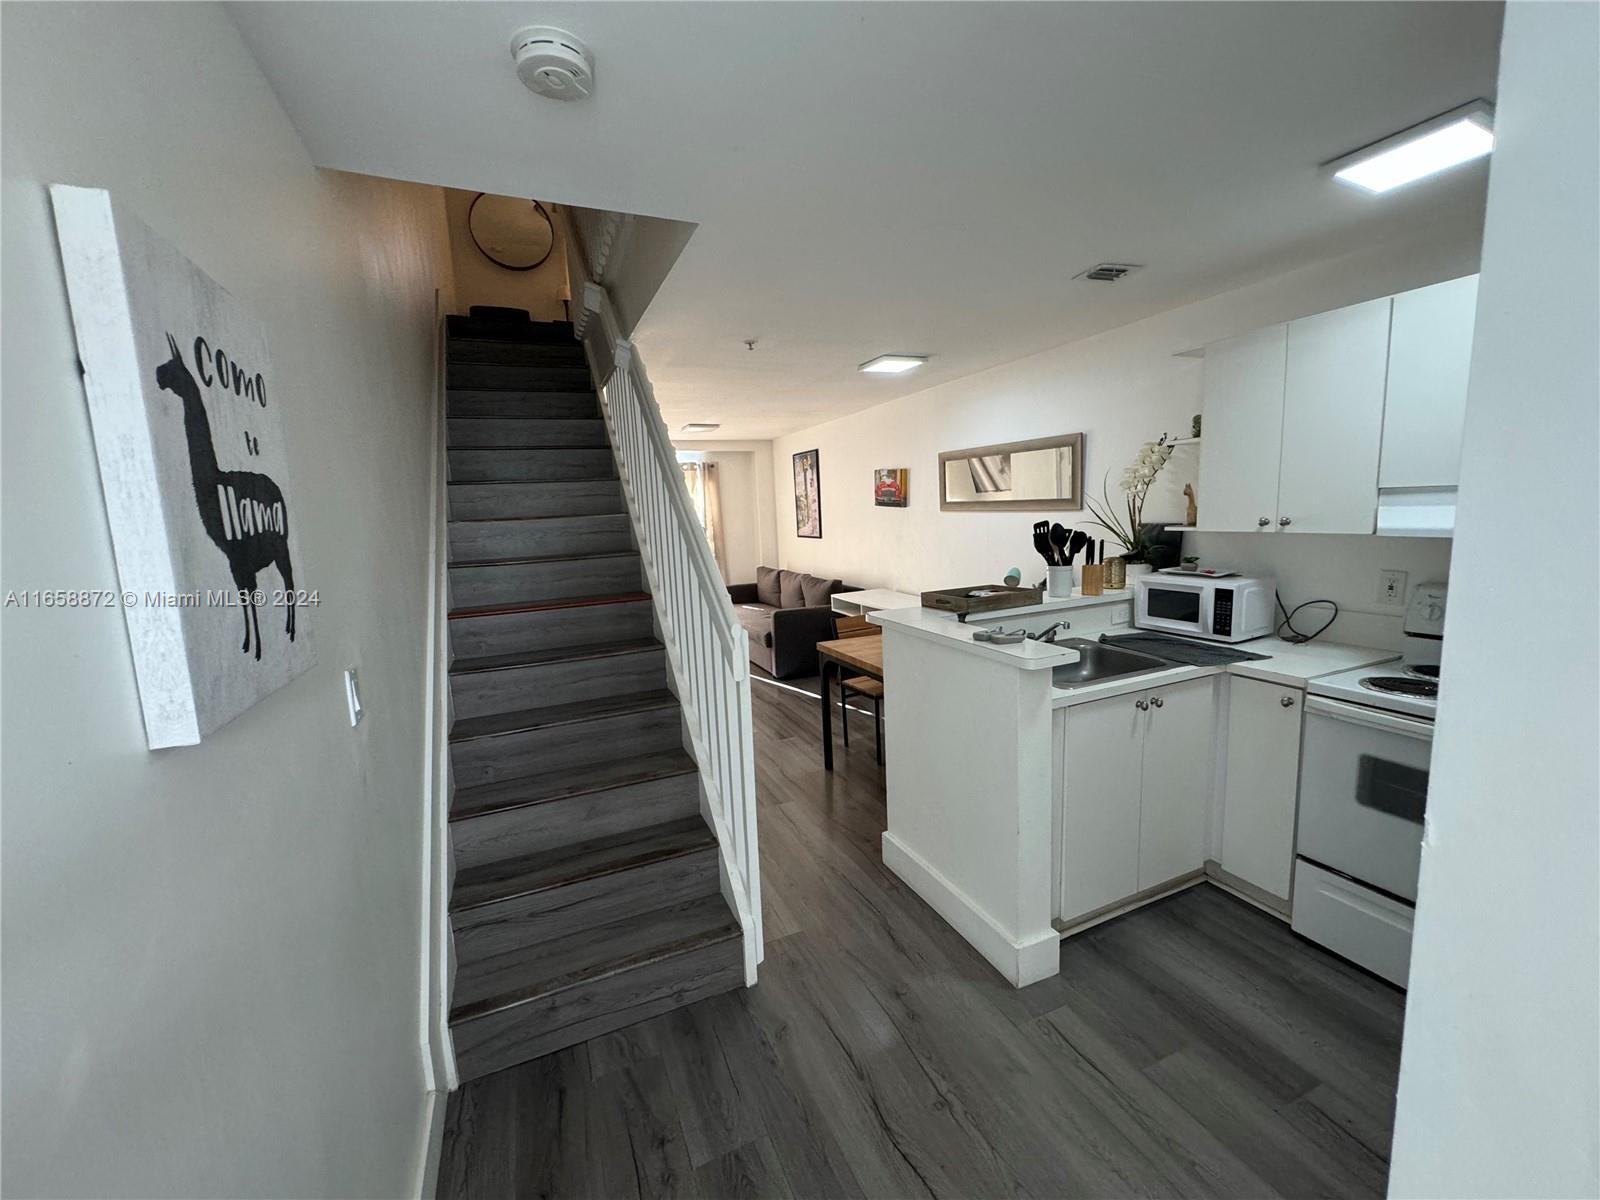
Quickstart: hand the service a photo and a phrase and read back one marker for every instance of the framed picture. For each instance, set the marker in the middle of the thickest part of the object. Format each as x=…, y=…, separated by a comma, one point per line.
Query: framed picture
x=202, y=506
x=807, y=495
x=889, y=487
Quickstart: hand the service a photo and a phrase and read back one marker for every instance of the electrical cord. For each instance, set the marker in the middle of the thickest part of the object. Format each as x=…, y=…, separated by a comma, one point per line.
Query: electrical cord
x=1294, y=635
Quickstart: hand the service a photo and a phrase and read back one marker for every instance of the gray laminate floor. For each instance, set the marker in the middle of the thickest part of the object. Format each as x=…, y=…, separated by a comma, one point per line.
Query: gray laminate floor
x=1194, y=1048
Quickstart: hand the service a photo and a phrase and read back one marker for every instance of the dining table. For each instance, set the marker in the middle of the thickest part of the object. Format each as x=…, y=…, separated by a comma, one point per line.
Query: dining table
x=859, y=655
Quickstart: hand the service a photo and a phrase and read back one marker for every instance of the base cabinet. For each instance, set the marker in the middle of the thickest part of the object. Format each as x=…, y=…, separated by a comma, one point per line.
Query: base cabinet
x=1179, y=752
x=1263, y=772
x=1136, y=777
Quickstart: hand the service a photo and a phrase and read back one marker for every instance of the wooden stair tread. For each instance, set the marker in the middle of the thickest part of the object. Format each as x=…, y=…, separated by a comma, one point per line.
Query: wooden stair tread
x=523, y=560
x=499, y=446
x=530, y=417
x=532, y=658
x=525, y=719
x=504, y=794
x=493, y=328
x=496, y=610
x=608, y=518
x=524, y=976
x=497, y=881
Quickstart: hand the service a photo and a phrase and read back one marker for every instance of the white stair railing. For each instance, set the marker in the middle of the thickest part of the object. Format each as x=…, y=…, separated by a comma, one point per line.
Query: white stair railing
x=708, y=649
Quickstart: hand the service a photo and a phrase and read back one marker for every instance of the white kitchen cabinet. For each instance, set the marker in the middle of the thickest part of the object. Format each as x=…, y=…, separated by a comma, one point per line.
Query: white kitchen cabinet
x=1333, y=394
x=1100, y=804
x=1179, y=741
x=1430, y=351
x=1243, y=409
x=1263, y=772
x=1136, y=784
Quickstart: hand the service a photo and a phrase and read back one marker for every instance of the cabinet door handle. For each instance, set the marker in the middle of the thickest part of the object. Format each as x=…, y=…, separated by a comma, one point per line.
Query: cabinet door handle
x=1283, y=520
x=1286, y=701
x=1263, y=522
x=1156, y=701
x=1141, y=705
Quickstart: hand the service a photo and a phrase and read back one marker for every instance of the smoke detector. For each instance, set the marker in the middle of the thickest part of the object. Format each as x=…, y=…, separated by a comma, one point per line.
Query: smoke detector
x=551, y=62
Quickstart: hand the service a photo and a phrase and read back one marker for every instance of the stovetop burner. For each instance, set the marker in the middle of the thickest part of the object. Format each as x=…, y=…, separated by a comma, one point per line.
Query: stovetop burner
x=1396, y=685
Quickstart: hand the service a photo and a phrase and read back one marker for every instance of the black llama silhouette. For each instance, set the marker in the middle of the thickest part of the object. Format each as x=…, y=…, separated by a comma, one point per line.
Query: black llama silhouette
x=243, y=511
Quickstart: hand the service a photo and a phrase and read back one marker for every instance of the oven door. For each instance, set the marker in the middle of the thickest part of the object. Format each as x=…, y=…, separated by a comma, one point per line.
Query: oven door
x=1175, y=607
x=1363, y=789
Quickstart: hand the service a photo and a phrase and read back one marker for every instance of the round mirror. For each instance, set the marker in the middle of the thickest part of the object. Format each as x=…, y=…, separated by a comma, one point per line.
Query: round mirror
x=511, y=233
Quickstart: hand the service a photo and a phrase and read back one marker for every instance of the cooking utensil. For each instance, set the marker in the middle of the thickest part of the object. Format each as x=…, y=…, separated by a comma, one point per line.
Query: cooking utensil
x=1080, y=539
x=1041, y=529
x=1041, y=543
x=1060, y=536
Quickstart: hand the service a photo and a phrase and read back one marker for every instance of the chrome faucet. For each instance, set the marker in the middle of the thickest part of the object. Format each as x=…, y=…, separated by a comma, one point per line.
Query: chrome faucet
x=1049, y=635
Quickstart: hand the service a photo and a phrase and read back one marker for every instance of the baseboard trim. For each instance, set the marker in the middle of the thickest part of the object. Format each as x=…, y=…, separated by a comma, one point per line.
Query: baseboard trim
x=1021, y=963
x=1272, y=905
x=1101, y=915
x=435, y=1106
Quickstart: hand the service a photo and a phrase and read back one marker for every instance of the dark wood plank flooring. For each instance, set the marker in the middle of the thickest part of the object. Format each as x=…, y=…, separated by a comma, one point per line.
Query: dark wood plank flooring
x=1193, y=1048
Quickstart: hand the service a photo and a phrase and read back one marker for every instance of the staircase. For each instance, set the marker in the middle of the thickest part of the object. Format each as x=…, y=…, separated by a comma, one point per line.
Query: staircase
x=586, y=890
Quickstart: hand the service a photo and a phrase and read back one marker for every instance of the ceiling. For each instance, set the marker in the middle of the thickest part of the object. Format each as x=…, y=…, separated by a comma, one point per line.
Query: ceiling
x=903, y=177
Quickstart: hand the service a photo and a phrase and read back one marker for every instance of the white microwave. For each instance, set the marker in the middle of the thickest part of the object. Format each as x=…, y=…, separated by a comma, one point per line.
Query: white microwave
x=1229, y=609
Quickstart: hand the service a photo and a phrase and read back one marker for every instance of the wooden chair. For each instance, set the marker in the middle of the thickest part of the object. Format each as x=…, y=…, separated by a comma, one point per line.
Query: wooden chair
x=860, y=685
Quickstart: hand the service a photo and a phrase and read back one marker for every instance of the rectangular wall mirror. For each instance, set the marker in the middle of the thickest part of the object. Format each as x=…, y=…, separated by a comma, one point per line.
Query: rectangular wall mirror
x=1044, y=474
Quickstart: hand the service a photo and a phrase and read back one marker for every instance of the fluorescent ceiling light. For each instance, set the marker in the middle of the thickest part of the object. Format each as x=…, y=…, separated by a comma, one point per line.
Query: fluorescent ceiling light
x=1446, y=141
x=893, y=364
x=699, y=427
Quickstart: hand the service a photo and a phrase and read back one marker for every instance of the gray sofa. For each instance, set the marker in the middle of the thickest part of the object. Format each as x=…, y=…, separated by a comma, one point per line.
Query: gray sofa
x=786, y=614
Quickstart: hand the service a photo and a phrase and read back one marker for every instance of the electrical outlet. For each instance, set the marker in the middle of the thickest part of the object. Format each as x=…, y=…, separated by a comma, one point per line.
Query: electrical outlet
x=1392, y=588
x=1120, y=615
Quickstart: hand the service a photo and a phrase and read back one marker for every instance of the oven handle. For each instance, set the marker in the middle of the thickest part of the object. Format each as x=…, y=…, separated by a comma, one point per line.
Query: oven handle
x=1371, y=717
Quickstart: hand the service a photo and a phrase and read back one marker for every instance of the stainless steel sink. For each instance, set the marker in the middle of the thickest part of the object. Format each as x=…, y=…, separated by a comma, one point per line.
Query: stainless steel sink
x=1097, y=661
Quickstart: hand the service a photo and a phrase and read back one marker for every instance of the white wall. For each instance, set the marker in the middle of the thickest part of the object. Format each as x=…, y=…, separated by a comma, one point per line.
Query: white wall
x=211, y=954
x=1119, y=389
x=652, y=250
x=750, y=538
x=1498, y=1079
x=479, y=281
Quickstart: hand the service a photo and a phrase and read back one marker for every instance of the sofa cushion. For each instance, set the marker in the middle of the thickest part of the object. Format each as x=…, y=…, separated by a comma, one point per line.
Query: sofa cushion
x=757, y=622
x=767, y=586
x=790, y=591
x=816, y=591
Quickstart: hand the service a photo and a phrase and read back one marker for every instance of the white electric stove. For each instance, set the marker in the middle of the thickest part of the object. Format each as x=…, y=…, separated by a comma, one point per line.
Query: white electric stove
x=1363, y=797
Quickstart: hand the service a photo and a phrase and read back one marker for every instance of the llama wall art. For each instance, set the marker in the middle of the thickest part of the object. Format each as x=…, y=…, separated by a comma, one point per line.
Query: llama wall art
x=199, y=497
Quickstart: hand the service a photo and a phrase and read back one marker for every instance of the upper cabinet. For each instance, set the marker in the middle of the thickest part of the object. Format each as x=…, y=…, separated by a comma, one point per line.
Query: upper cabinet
x=1243, y=430
x=1333, y=420
x=1305, y=422
x=1430, y=350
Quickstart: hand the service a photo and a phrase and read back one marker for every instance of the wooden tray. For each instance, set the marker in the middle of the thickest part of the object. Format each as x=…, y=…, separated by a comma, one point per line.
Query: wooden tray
x=963, y=603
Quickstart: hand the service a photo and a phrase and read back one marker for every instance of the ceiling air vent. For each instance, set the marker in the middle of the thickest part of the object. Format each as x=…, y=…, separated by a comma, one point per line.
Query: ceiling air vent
x=1107, y=272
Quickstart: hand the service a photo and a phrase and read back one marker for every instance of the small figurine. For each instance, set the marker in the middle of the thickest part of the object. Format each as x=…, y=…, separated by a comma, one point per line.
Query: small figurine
x=1191, y=518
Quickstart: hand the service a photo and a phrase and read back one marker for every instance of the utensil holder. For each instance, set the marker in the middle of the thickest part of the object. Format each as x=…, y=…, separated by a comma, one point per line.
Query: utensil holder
x=1093, y=579
x=1116, y=576
x=1060, y=582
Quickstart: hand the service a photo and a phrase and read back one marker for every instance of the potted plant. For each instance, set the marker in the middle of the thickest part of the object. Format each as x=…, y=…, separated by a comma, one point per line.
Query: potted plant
x=1191, y=562
x=1137, y=538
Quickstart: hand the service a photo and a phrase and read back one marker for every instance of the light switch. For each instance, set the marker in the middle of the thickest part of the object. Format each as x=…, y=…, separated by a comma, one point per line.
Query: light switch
x=352, y=695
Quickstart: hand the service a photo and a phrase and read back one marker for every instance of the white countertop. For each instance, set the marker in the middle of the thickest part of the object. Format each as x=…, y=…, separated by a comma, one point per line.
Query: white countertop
x=873, y=599
x=944, y=629
x=1289, y=663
